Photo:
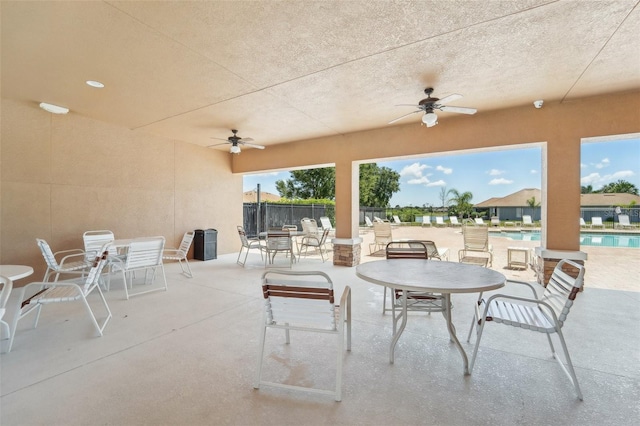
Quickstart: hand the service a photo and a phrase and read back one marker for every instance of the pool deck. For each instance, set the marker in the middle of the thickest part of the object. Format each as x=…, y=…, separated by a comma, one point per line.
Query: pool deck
x=613, y=268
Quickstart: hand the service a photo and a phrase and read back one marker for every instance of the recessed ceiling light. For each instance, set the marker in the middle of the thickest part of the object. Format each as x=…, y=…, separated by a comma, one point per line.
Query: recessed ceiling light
x=94, y=83
x=55, y=109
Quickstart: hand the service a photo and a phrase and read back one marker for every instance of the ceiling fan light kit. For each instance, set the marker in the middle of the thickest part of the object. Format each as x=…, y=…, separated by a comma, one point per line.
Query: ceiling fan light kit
x=429, y=104
x=235, y=142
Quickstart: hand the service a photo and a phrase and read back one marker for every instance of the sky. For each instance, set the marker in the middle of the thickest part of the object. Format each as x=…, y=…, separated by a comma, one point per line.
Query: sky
x=490, y=174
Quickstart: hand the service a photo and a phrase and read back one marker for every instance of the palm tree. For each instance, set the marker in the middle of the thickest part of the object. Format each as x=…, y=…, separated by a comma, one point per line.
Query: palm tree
x=461, y=202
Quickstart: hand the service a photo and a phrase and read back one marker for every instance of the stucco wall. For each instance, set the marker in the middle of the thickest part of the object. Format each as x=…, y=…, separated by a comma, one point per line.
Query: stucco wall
x=66, y=174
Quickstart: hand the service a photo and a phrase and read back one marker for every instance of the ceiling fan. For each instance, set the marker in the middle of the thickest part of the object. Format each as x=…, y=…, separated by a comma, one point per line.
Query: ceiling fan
x=235, y=142
x=429, y=104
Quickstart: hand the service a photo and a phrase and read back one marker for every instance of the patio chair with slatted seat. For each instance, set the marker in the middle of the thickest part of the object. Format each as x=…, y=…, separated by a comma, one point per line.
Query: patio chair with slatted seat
x=315, y=242
x=304, y=301
x=596, y=222
x=382, y=235
x=180, y=254
x=71, y=261
x=476, y=248
x=247, y=245
x=546, y=314
x=278, y=241
x=74, y=290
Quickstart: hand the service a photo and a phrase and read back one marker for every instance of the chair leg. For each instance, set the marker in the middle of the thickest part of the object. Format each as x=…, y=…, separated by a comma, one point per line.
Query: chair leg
x=187, y=272
x=568, y=369
x=478, y=337
x=99, y=328
x=258, y=378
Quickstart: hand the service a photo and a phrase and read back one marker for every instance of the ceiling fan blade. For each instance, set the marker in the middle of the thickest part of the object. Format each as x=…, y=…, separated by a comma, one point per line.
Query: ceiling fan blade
x=217, y=144
x=450, y=98
x=411, y=105
x=252, y=145
x=461, y=110
x=406, y=115
x=246, y=140
x=220, y=139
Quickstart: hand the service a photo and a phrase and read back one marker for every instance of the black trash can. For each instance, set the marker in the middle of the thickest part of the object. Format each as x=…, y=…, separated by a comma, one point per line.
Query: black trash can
x=205, y=244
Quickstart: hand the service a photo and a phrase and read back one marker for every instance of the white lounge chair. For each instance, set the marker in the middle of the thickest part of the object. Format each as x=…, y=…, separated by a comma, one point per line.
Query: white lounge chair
x=479, y=221
x=596, y=222
x=440, y=221
x=304, y=301
x=426, y=220
x=368, y=222
x=583, y=224
x=453, y=220
x=624, y=222
x=526, y=221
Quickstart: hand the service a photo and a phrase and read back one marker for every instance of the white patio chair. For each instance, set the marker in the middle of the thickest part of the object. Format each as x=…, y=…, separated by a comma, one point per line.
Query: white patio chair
x=180, y=254
x=479, y=221
x=596, y=222
x=325, y=222
x=43, y=293
x=624, y=222
x=304, y=301
x=278, y=241
x=248, y=244
x=72, y=261
x=382, y=236
x=309, y=226
x=368, y=222
x=583, y=224
x=476, y=241
x=7, y=285
x=546, y=314
x=143, y=255
x=440, y=221
x=316, y=242
x=453, y=220
x=426, y=220
x=527, y=221
x=94, y=240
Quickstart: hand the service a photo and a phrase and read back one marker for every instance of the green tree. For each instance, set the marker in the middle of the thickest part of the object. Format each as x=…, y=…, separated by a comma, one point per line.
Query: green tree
x=620, y=187
x=444, y=196
x=531, y=202
x=586, y=189
x=377, y=184
x=461, y=202
x=311, y=183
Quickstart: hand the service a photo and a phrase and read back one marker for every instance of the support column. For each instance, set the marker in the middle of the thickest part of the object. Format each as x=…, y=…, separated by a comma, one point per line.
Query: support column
x=548, y=259
x=347, y=244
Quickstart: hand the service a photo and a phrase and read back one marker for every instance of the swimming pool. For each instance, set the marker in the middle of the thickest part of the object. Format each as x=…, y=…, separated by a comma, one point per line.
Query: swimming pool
x=586, y=239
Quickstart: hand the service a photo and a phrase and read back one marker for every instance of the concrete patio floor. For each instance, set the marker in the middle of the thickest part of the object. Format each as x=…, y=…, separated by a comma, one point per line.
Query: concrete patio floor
x=187, y=356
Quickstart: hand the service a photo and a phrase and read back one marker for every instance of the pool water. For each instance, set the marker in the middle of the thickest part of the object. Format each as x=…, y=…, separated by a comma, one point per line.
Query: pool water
x=586, y=239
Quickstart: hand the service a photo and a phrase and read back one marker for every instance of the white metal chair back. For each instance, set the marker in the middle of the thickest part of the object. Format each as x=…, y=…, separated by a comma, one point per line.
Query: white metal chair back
x=546, y=314
x=278, y=241
x=368, y=222
x=475, y=238
x=315, y=241
x=309, y=226
x=247, y=244
x=143, y=254
x=382, y=235
x=304, y=301
x=185, y=244
x=325, y=222
x=94, y=240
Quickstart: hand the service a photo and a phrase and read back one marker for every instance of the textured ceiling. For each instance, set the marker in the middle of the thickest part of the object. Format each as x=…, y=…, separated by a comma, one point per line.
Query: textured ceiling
x=293, y=70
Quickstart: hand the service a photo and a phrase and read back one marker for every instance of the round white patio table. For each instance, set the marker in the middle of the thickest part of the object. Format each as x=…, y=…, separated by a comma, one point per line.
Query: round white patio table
x=15, y=272
x=431, y=276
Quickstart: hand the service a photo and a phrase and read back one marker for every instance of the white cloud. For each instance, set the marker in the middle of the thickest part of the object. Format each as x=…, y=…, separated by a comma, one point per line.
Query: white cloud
x=437, y=183
x=418, y=181
x=266, y=174
x=598, y=181
x=583, y=166
x=445, y=170
x=534, y=172
x=500, y=181
x=495, y=172
x=604, y=163
x=414, y=169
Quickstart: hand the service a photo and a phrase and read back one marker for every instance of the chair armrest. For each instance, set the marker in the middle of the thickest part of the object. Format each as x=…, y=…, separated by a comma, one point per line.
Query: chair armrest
x=170, y=251
x=74, y=253
x=530, y=285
